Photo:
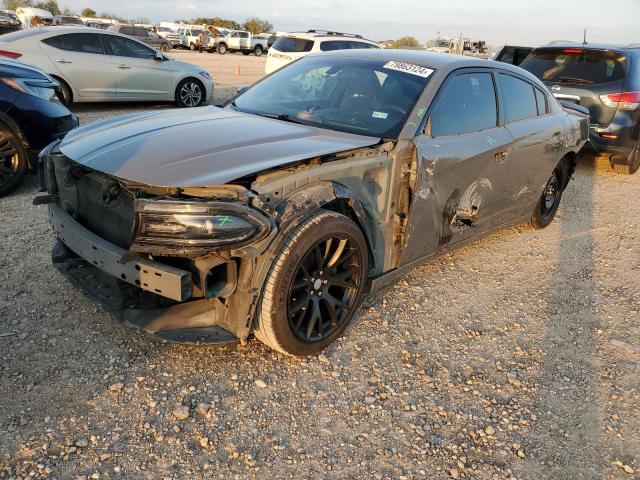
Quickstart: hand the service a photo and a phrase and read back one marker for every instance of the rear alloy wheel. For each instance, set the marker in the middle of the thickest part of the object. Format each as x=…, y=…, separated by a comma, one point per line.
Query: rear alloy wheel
x=634, y=163
x=258, y=51
x=549, y=202
x=13, y=160
x=190, y=93
x=314, y=286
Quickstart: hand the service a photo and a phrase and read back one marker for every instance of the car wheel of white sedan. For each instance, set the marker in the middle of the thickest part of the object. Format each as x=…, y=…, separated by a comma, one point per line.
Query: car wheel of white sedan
x=190, y=93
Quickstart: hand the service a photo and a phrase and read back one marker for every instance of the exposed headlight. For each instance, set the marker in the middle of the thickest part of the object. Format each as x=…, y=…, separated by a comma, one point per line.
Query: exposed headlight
x=206, y=75
x=39, y=88
x=197, y=224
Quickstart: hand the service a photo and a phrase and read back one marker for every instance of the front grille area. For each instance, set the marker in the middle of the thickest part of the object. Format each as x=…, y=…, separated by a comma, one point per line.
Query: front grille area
x=82, y=194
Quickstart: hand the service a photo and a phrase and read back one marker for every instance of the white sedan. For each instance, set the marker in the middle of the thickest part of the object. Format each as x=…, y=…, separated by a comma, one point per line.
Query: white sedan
x=100, y=66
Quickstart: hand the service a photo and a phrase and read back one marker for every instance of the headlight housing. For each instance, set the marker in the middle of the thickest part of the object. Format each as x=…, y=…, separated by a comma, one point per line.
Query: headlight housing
x=44, y=89
x=197, y=224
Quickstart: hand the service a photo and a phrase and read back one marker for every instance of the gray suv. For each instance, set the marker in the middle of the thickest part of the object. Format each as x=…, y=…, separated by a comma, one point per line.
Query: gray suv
x=144, y=35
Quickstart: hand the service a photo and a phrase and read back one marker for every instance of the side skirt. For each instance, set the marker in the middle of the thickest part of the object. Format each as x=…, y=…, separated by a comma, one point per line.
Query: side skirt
x=393, y=275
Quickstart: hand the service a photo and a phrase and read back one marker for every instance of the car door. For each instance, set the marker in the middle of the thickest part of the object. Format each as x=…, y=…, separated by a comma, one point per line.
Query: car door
x=537, y=138
x=139, y=73
x=245, y=40
x=457, y=172
x=80, y=59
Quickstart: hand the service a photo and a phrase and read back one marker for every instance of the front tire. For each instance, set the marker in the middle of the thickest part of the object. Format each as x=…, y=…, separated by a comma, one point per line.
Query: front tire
x=14, y=163
x=190, y=93
x=222, y=49
x=314, y=286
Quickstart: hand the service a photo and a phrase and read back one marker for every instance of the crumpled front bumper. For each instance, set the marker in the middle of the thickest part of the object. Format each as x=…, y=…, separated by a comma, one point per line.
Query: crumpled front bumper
x=146, y=274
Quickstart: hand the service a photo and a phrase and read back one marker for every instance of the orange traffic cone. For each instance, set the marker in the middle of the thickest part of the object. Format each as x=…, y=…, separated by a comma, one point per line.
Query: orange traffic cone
x=237, y=69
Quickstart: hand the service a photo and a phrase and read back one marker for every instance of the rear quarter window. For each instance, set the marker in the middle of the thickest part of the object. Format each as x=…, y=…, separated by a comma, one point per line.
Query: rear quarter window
x=518, y=98
x=576, y=66
x=293, y=45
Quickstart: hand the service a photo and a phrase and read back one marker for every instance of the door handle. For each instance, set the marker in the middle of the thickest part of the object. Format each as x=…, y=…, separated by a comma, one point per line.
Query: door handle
x=501, y=157
x=124, y=67
x=63, y=61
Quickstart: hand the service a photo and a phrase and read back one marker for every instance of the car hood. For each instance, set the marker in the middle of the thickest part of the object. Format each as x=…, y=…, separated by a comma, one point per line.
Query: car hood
x=199, y=147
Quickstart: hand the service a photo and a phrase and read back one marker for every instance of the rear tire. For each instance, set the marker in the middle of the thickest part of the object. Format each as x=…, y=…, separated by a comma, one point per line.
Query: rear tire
x=315, y=284
x=14, y=162
x=549, y=202
x=632, y=167
x=258, y=51
x=190, y=93
x=165, y=47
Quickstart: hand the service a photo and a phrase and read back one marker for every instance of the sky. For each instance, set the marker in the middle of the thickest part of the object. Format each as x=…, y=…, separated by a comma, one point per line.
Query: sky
x=515, y=22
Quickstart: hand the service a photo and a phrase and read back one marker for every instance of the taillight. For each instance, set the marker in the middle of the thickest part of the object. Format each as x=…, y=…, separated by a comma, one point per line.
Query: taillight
x=4, y=53
x=572, y=50
x=624, y=100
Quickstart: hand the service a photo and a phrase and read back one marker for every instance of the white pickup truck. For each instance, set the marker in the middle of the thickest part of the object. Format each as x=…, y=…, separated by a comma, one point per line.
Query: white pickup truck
x=241, y=41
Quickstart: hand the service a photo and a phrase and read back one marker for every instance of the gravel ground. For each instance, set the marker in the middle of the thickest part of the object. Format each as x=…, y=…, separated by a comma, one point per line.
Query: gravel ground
x=514, y=357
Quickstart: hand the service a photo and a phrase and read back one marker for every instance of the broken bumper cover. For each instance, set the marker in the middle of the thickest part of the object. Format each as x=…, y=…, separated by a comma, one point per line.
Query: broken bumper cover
x=100, y=273
x=148, y=275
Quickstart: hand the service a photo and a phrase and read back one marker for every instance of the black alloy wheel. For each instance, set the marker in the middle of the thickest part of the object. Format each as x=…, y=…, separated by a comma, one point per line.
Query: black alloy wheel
x=323, y=291
x=317, y=278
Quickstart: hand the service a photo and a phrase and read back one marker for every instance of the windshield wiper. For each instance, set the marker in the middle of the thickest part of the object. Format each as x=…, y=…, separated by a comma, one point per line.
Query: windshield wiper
x=573, y=80
x=284, y=117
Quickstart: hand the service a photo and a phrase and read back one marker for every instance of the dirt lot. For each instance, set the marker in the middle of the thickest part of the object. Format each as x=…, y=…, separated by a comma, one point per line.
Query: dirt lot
x=515, y=357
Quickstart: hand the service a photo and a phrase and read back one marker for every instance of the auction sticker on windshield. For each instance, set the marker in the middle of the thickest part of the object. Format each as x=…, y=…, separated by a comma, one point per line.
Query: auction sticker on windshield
x=418, y=70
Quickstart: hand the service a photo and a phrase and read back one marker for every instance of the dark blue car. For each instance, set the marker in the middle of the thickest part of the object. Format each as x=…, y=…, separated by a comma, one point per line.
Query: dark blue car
x=32, y=115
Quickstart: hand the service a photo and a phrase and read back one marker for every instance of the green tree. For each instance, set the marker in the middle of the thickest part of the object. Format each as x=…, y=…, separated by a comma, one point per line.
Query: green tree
x=50, y=5
x=88, y=12
x=406, y=42
x=14, y=4
x=257, y=25
x=216, y=22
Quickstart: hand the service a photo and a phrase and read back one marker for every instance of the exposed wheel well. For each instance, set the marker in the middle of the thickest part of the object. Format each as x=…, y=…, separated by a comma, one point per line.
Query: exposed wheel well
x=567, y=167
x=344, y=207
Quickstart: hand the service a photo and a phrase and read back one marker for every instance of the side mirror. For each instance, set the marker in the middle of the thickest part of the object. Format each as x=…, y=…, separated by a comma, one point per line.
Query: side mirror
x=159, y=57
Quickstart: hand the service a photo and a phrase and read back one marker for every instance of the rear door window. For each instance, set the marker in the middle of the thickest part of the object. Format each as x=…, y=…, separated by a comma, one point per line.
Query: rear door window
x=83, y=43
x=331, y=45
x=293, y=45
x=467, y=104
x=54, y=42
x=124, y=47
x=576, y=66
x=518, y=99
x=126, y=30
x=361, y=45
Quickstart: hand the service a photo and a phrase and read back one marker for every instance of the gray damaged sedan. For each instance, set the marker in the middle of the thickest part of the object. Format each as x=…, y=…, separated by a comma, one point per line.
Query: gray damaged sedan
x=332, y=176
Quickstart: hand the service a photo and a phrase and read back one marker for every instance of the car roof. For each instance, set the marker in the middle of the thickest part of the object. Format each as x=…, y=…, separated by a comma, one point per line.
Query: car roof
x=327, y=35
x=443, y=62
x=592, y=46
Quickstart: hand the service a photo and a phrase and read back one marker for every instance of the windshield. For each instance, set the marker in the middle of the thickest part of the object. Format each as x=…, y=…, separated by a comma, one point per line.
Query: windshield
x=575, y=65
x=353, y=95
